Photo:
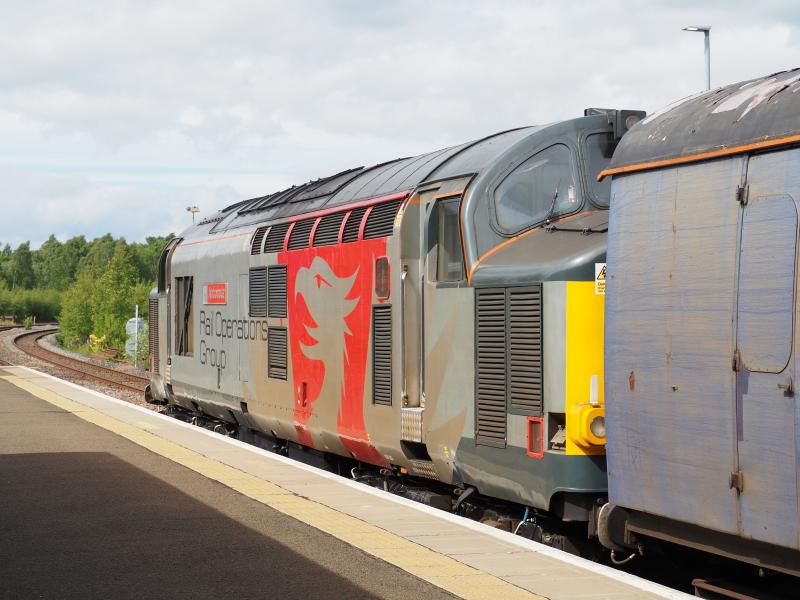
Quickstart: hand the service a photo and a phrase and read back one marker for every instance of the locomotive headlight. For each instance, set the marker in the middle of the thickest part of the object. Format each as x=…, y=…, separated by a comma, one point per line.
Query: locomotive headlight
x=598, y=427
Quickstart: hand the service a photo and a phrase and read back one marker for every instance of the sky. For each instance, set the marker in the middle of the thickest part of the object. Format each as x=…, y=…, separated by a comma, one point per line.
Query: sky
x=117, y=115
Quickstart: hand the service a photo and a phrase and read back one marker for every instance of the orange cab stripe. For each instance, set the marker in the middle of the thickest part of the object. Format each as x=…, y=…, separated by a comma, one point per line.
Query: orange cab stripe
x=701, y=156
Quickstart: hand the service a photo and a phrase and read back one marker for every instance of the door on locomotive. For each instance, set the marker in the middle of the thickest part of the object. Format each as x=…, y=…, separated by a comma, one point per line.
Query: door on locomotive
x=432, y=305
x=765, y=474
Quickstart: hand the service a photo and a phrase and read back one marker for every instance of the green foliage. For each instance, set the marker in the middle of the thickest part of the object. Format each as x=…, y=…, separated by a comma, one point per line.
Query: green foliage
x=76, y=309
x=20, y=303
x=22, y=274
x=91, y=287
x=27, y=322
x=113, y=302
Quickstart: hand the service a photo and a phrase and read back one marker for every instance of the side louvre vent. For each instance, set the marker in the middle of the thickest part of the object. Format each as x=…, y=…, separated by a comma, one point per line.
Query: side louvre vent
x=509, y=371
x=490, y=367
x=525, y=369
x=353, y=224
x=258, y=292
x=298, y=239
x=382, y=354
x=327, y=233
x=275, y=238
x=380, y=222
x=152, y=328
x=277, y=291
x=255, y=246
x=276, y=352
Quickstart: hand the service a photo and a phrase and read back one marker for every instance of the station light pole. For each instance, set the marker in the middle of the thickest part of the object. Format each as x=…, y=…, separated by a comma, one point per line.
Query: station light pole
x=194, y=209
x=706, y=29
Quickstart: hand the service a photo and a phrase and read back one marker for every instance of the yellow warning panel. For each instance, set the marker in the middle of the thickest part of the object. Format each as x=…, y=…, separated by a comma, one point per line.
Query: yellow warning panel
x=584, y=366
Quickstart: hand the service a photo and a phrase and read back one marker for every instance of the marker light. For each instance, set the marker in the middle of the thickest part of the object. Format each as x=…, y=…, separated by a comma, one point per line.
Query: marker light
x=598, y=427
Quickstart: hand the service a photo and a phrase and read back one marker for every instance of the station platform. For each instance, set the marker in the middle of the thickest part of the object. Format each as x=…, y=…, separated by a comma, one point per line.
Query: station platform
x=104, y=499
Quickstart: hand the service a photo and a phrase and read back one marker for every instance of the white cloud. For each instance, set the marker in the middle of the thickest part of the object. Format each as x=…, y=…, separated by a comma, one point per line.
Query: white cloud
x=103, y=103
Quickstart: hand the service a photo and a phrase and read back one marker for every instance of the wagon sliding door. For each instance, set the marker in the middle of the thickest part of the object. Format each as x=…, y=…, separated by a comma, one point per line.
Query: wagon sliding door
x=766, y=411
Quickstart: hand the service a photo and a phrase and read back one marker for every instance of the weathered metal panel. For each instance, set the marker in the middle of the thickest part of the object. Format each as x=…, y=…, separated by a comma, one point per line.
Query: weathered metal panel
x=766, y=406
x=766, y=282
x=669, y=311
x=749, y=112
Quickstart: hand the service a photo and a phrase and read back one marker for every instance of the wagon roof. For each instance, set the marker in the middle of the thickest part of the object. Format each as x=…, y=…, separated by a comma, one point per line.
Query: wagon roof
x=742, y=117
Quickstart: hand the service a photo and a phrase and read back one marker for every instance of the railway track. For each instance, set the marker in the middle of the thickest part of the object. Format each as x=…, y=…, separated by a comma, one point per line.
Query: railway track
x=29, y=343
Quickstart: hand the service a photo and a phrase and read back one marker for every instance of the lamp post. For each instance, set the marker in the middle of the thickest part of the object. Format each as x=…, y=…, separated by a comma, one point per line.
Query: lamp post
x=706, y=29
x=194, y=209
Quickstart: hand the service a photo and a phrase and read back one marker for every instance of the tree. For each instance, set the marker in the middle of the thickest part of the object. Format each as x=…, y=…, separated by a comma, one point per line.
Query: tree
x=22, y=274
x=99, y=253
x=147, y=255
x=113, y=299
x=75, y=319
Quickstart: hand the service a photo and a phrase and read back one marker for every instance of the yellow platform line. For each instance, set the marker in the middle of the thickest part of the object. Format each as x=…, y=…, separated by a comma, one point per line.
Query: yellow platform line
x=440, y=570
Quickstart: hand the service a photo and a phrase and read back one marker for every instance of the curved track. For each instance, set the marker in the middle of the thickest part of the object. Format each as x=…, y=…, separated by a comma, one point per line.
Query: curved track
x=29, y=343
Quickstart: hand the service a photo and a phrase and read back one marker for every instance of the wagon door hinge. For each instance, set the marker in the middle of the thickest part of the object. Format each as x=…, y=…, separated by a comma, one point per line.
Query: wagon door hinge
x=742, y=193
x=736, y=481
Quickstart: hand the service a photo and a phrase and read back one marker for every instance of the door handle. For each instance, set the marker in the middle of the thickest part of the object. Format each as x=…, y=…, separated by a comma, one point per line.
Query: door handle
x=788, y=388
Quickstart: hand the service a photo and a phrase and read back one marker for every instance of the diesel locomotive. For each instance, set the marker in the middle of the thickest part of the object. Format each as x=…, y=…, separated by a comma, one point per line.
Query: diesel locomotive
x=701, y=328
x=438, y=317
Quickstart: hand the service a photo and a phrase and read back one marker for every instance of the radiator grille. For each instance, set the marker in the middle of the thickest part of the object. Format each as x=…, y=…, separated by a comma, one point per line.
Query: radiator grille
x=490, y=367
x=353, y=224
x=276, y=352
x=258, y=292
x=380, y=222
x=327, y=233
x=382, y=354
x=152, y=318
x=277, y=291
x=258, y=238
x=525, y=372
x=276, y=237
x=509, y=373
x=298, y=239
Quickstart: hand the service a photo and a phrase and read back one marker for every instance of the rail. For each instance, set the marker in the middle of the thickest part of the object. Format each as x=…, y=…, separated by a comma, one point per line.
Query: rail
x=29, y=344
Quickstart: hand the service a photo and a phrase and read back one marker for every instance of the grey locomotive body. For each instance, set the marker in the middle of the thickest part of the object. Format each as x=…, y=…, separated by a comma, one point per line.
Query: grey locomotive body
x=437, y=316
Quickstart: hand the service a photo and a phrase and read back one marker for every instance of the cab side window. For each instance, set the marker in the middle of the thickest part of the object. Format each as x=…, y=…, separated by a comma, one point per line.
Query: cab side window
x=446, y=227
x=184, y=316
x=541, y=188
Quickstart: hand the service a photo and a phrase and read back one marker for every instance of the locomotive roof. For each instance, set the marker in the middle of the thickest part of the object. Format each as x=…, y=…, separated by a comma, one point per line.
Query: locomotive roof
x=742, y=117
x=362, y=183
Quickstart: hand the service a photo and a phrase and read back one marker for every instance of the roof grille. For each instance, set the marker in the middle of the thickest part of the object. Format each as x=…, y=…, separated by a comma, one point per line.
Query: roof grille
x=327, y=233
x=276, y=237
x=298, y=239
x=380, y=221
x=353, y=224
x=258, y=238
